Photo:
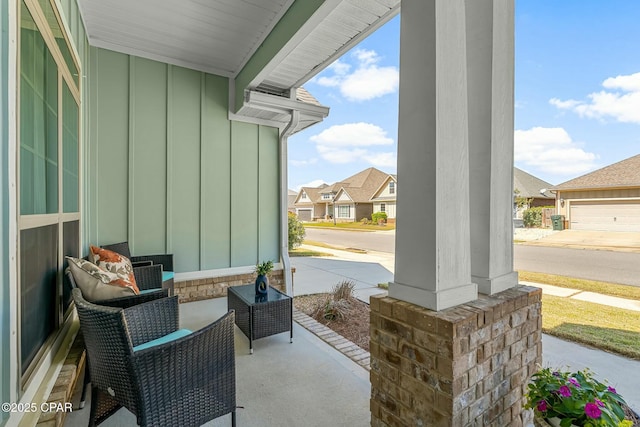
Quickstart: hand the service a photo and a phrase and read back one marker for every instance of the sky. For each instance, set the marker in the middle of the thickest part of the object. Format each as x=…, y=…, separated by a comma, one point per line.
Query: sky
x=577, y=96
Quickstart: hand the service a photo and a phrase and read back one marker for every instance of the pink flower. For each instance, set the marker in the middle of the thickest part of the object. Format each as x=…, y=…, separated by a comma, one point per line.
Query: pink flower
x=542, y=406
x=564, y=391
x=599, y=402
x=574, y=382
x=611, y=389
x=592, y=410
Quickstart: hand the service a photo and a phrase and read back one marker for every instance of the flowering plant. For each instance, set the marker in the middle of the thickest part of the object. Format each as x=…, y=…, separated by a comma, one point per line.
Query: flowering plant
x=576, y=398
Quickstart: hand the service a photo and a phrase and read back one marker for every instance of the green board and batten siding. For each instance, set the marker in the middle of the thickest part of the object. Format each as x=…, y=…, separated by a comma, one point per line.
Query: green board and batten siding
x=172, y=173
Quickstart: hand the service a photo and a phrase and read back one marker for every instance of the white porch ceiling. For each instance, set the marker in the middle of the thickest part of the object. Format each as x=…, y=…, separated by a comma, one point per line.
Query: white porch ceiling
x=220, y=36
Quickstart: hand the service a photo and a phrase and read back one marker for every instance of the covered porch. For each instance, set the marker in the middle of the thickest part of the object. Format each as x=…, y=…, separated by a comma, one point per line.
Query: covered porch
x=166, y=126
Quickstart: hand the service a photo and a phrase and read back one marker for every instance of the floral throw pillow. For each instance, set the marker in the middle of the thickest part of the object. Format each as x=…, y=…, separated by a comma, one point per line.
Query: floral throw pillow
x=115, y=263
x=95, y=283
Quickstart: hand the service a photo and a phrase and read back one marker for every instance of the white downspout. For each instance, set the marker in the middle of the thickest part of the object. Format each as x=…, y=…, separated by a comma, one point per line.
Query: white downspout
x=284, y=191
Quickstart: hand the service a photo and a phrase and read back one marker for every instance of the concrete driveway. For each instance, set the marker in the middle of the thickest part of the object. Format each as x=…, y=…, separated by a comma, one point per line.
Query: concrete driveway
x=606, y=240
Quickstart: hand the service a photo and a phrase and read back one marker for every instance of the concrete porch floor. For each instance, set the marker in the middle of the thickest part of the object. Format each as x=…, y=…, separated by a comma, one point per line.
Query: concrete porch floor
x=306, y=383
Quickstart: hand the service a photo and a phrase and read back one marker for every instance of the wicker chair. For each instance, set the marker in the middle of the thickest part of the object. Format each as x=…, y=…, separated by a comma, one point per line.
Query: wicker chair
x=166, y=260
x=149, y=280
x=186, y=381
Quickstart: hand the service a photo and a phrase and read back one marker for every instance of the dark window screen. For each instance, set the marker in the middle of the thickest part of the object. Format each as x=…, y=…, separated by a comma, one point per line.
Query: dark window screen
x=71, y=247
x=38, y=271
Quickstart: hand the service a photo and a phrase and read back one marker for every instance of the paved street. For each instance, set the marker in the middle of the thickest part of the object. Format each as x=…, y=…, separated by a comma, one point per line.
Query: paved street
x=609, y=266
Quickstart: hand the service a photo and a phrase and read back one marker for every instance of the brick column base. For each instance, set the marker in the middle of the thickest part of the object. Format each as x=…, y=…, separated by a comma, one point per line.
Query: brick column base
x=468, y=365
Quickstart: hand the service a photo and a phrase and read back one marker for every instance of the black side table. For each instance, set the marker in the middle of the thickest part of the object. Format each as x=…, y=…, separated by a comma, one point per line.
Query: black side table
x=259, y=317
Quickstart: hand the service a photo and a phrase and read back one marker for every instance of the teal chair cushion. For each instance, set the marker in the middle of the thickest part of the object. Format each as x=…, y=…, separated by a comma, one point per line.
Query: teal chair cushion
x=162, y=340
x=167, y=275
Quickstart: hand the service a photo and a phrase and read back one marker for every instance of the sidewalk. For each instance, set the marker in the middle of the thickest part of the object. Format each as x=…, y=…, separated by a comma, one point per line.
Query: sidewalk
x=320, y=274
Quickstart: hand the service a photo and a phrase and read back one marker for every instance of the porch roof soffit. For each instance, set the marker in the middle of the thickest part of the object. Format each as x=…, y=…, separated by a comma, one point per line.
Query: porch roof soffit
x=268, y=46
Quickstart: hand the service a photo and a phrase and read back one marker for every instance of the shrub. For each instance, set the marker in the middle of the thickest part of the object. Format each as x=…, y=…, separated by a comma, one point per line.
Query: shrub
x=343, y=290
x=296, y=231
x=334, y=310
x=532, y=217
x=379, y=217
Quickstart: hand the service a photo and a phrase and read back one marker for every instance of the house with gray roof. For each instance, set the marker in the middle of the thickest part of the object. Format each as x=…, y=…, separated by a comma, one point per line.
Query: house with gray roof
x=607, y=199
x=534, y=189
x=384, y=199
x=350, y=199
x=308, y=204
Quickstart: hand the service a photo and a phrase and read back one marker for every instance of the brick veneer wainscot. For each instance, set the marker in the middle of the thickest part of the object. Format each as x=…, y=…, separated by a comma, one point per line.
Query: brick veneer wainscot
x=468, y=365
x=215, y=287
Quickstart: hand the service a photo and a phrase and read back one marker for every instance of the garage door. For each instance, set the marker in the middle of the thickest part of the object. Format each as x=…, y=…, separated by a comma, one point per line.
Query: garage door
x=606, y=216
x=304, y=214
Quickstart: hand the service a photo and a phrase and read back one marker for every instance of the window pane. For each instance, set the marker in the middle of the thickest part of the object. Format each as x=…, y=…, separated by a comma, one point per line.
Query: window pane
x=61, y=41
x=38, y=277
x=38, y=122
x=71, y=247
x=69, y=151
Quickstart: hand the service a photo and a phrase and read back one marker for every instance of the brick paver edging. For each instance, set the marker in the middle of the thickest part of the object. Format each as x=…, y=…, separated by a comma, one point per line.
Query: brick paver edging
x=335, y=340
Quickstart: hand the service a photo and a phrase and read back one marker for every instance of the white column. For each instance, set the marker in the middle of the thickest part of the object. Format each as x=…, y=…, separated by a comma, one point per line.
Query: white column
x=433, y=267
x=490, y=59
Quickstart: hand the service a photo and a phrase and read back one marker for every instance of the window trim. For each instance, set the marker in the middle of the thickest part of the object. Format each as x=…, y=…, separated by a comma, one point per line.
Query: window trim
x=30, y=221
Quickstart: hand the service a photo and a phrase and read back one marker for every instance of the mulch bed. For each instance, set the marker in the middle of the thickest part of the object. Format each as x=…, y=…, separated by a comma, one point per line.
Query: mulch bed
x=354, y=325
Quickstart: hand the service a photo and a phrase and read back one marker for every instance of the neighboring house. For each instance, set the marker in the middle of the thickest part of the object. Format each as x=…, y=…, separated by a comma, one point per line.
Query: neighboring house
x=291, y=199
x=532, y=188
x=347, y=200
x=605, y=200
x=384, y=199
x=307, y=204
x=352, y=201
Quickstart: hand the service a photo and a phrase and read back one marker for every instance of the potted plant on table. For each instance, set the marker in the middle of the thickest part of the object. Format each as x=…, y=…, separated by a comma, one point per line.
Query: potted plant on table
x=566, y=399
x=262, y=281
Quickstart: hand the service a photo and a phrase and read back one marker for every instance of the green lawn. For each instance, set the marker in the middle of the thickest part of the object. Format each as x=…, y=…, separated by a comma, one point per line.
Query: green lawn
x=355, y=226
x=299, y=252
x=612, y=289
x=607, y=328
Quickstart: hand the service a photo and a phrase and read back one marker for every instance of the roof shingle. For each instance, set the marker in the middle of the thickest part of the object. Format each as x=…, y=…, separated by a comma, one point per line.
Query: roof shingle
x=625, y=173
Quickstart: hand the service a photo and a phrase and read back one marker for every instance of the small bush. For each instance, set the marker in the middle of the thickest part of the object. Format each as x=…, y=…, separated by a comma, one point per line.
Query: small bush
x=379, y=217
x=296, y=231
x=343, y=290
x=335, y=310
x=365, y=221
x=532, y=217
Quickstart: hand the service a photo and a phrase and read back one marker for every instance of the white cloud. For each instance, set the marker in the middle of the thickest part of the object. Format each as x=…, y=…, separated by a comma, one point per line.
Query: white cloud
x=383, y=160
x=314, y=183
x=352, y=142
x=367, y=81
x=621, y=102
x=564, y=105
x=553, y=151
x=353, y=134
x=299, y=163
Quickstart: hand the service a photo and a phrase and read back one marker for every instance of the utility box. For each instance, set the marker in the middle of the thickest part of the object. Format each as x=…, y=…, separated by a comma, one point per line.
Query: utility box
x=558, y=222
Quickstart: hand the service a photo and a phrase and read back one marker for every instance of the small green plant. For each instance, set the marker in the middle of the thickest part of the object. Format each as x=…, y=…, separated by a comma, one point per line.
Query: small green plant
x=383, y=285
x=379, y=217
x=575, y=398
x=296, y=231
x=264, y=268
